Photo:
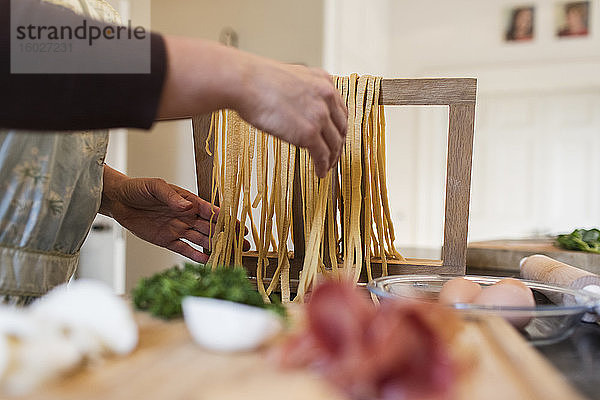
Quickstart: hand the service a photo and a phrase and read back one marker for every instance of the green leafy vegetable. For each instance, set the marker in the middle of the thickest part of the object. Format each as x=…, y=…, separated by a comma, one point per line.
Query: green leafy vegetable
x=581, y=239
x=162, y=293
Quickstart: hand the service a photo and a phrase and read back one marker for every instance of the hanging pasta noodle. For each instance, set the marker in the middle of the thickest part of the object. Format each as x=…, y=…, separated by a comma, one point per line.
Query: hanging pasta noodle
x=345, y=216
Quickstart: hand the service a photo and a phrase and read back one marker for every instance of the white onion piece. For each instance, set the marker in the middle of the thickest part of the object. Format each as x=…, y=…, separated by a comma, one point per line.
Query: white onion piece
x=69, y=325
x=30, y=353
x=5, y=357
x=93, y=316
x=16, y=323
x=37, y=360
x=225, y=326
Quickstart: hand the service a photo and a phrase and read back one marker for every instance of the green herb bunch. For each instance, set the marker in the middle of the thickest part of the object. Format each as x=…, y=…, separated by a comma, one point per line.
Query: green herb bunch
x=581, y=239
x=162, y=293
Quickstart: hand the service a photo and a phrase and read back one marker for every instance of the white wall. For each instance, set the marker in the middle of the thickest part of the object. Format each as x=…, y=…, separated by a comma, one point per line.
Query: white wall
x=287, y=30
x=466, y=33
x=537, y=116
x=357, y=36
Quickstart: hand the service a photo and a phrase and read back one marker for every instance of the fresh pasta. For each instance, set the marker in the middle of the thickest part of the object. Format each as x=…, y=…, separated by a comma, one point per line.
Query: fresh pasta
x=345, y=216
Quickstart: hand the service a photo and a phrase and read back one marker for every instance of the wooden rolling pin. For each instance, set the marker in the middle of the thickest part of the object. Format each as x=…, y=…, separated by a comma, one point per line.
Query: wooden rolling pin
x=548, y=270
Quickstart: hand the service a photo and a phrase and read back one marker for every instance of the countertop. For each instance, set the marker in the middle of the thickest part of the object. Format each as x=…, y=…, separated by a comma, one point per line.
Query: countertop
x=167, y=364
x=576, y=357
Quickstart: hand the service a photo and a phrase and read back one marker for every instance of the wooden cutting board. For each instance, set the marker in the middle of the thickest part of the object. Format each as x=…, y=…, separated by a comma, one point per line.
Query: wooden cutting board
x=167, y=364
x=504, y=255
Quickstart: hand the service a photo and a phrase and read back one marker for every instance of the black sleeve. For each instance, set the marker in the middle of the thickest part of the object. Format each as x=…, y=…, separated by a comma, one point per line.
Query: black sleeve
x=75, y=101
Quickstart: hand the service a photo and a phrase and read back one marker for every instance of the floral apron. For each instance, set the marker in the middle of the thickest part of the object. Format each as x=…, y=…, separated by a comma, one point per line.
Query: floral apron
x=51, y=187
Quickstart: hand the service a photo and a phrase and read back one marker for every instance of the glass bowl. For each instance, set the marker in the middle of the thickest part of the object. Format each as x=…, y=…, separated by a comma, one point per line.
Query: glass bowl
x=557, y=312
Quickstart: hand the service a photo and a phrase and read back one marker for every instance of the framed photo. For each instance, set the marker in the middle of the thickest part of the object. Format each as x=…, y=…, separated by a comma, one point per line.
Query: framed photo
x=572, y=19
x=520, y=24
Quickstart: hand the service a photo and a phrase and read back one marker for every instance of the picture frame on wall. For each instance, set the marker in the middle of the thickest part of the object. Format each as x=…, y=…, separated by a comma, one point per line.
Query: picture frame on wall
x=572, y=19
x=520, y=24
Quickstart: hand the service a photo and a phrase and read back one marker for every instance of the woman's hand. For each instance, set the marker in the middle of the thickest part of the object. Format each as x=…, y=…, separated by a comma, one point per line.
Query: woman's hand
x=297, y=104
x=160, y=213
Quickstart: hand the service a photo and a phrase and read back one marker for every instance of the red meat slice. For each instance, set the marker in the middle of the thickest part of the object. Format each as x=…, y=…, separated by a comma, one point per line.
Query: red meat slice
x=396, y=351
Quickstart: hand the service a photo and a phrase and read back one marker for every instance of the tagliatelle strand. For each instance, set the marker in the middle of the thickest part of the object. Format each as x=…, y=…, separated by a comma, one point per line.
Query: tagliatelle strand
x=367, y=155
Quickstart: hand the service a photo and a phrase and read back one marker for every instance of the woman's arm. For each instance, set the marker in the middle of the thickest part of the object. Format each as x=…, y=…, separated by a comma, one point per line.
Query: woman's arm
x=297, y=104
x=58, y=101
x=188, y=76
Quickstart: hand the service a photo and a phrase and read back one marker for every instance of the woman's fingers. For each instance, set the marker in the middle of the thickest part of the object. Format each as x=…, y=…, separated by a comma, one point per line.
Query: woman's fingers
x=188, y=251
x=197, y=238
x=319, y=151
x=297, y=104
x=246, y=246
x=203, y=226
x=337, y=109
x=198, y=231
x=339, y=115
x=330, y=124
x=334, y=141
x=202, y=207
x=165, y=192
x=206, y=210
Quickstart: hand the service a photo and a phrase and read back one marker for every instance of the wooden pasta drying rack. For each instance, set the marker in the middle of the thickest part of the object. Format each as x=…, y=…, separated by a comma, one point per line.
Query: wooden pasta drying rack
x=459, y=94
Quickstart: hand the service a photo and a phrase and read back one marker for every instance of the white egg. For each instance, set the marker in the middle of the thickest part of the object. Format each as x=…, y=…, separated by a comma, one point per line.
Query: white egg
x=226, y=326
x=508, y=293
x=459, y=290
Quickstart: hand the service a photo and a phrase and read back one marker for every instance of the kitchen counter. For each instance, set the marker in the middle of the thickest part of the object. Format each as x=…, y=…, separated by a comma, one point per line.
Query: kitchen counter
x=506, y=254
x=578, y=358
x=167, y=364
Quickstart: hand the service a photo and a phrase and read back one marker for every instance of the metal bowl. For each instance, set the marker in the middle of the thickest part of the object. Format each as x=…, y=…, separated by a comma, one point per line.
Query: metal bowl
x=557, y=312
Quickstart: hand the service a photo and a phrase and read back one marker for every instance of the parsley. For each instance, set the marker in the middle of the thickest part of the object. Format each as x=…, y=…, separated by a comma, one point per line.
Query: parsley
x=162, y=293
x=581, y=239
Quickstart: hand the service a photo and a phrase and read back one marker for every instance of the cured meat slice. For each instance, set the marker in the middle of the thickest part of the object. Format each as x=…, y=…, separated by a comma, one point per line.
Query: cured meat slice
x=396, y=351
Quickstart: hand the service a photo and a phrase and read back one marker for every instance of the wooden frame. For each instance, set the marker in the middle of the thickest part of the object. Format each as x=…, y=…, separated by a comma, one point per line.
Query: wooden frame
x=459, y=94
